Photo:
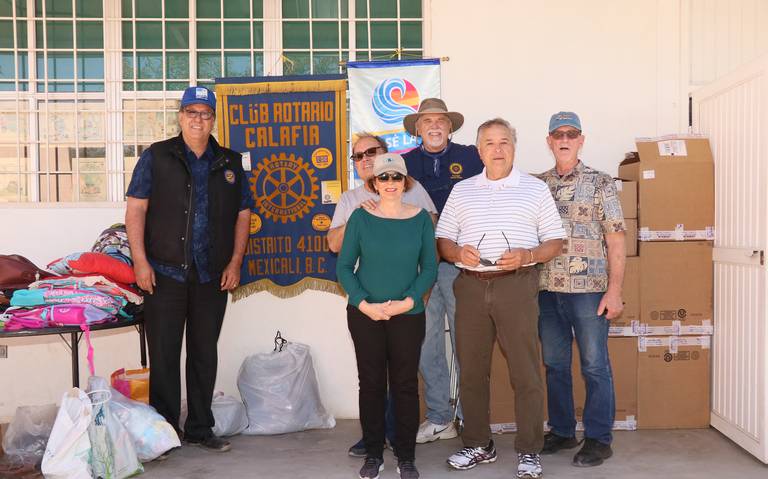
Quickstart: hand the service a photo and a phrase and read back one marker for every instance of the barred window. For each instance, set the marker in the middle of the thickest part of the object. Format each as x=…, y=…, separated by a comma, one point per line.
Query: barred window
x=87, y=85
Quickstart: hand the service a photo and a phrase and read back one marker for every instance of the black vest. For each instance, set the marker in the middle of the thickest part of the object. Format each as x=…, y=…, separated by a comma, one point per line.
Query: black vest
x=168, y=230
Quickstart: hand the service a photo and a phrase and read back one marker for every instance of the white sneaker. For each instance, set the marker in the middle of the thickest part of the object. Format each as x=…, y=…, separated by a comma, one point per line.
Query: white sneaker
x=528, y=466
x=429, y=432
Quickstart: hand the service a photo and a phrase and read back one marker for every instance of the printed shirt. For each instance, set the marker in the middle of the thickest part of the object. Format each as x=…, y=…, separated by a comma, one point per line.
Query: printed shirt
x=589, y=205
x=141, y=187
x=514, y=212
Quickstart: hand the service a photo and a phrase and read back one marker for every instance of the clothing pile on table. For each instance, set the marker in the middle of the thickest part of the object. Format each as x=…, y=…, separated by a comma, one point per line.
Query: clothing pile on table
x=85, y=288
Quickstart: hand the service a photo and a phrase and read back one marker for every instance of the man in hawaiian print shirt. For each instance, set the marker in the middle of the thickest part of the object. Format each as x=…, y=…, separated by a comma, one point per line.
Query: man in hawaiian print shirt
x=580, y=292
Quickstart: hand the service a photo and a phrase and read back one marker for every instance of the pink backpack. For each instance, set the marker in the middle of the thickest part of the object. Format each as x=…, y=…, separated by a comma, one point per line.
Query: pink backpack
x=54, y=316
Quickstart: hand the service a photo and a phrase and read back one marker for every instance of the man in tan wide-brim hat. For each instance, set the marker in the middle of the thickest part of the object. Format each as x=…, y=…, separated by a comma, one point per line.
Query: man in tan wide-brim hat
x=438, y=164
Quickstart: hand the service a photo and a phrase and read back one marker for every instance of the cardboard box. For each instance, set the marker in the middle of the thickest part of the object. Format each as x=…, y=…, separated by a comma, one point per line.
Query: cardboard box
x=627, y=323
x=628, y=197
x=676, y=190
x=623, y=354
x=673, y=377
x=676, y=288
x=630, y=236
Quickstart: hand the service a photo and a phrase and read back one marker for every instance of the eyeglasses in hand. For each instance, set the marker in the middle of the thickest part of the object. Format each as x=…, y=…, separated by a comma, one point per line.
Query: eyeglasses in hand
x=487, y=262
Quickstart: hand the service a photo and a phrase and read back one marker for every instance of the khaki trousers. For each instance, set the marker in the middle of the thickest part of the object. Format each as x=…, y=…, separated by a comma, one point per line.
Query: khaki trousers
x=504, y=307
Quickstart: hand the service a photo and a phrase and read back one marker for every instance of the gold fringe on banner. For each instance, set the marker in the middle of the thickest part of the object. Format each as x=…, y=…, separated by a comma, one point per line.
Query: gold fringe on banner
x=284, y=292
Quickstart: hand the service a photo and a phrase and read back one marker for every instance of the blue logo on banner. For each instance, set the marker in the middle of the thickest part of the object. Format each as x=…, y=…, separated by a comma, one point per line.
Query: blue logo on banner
x=393, y=99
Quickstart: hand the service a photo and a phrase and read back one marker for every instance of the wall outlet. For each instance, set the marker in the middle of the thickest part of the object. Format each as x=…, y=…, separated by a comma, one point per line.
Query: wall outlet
x=3, y=351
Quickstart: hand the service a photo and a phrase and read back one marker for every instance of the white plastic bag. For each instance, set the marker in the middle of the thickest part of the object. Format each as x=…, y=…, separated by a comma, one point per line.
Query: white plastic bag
x=229, y=414
x=113, y=455
x=280, y=392
x=150, y=432
x=67, y=455
x=28, y=432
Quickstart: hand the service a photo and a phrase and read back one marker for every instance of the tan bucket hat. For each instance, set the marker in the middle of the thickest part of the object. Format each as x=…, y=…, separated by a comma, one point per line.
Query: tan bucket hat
x=432, y=105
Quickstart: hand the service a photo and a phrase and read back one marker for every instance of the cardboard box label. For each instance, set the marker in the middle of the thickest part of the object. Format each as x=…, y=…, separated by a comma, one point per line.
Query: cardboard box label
x=672, y=148
x=649, y=174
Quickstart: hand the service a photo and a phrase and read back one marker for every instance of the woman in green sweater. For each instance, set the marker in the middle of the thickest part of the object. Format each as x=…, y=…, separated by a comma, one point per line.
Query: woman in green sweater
x=394, y=247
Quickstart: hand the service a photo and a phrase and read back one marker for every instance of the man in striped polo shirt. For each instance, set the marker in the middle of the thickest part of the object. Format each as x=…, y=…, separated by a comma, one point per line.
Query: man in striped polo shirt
x=496, y=226
x=580, y=294
x=438, y=164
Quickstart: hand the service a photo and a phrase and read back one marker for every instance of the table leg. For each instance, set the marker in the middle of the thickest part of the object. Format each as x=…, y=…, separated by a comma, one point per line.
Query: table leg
x=143, y=346
x=74, y=340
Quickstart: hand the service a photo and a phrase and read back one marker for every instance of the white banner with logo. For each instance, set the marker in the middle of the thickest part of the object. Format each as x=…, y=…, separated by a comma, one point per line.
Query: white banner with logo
x=382, y=93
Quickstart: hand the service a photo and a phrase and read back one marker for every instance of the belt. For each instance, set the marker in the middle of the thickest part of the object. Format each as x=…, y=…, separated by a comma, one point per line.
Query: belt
x=487, y=275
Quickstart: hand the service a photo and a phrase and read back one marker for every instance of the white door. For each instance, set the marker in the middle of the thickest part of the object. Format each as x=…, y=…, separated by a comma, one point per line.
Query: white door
x=733, y=113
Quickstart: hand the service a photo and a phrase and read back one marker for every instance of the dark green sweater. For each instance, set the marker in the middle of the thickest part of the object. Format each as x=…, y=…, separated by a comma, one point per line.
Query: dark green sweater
x=397, y=258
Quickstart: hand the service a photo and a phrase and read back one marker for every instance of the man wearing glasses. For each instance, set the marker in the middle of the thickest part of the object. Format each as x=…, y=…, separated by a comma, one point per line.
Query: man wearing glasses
x=365, y=148
x=580, y=294
x=187, y=221
x=438, y=164
x=496, y=226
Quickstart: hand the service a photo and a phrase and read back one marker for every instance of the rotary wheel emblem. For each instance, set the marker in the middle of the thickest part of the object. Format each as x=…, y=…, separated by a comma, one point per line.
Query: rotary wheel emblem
x=285, y=187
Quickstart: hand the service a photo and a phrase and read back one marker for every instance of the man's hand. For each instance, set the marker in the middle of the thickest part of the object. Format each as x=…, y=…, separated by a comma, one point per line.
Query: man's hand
x=514, y=259
x=230, y=277
x=145, y=275
x=610, y=305
x=369, y=205
x=393, y=308
x=469, y=256
x=375, y=311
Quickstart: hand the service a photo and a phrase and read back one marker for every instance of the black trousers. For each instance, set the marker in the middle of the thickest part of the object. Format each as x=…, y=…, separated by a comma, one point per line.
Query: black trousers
x=388, y=349
x=201, y=307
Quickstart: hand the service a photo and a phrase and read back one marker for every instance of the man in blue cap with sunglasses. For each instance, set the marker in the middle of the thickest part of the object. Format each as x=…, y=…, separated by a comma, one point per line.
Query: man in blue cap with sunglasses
x=187, y=220
x=580, y=292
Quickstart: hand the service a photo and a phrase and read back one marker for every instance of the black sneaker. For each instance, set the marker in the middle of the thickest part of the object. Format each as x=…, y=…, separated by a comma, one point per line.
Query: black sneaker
x=554, y=443
x=371, y=468
x=407, y=470
x=592, y=453
x=211, y=443
x=358, y=449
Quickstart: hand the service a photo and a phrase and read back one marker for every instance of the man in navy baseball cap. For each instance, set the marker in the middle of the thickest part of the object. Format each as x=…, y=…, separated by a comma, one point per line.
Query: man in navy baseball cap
x=186, y=256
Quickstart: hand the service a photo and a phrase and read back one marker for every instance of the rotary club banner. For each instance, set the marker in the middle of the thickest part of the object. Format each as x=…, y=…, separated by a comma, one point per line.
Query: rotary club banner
x=381, y=93
x=291, y=132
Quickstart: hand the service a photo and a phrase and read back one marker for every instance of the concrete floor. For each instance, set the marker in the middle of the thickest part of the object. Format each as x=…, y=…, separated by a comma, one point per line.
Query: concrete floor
x=681, y=454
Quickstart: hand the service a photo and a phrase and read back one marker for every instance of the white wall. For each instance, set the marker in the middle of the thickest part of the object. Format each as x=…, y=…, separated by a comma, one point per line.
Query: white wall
x=525, y=60
x=618, y=64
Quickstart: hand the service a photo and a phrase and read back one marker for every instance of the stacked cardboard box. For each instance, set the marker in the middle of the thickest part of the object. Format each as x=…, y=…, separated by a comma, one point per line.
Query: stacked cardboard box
x=668, y=287
x=659, y=346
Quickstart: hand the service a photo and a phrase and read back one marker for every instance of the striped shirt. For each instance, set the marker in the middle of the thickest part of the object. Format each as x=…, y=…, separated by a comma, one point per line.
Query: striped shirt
x=514, y=212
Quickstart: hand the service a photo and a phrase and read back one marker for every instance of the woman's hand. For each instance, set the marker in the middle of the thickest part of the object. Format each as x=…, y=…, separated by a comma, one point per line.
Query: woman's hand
x=375, y=311
x=393, y=308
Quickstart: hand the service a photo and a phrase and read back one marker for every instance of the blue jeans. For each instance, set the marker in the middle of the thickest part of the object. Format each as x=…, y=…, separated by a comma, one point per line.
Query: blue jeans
x=561, y=316
x=433, y=364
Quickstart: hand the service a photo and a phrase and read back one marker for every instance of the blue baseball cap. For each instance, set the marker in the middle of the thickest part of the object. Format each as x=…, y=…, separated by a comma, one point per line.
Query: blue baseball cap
x=564, y=118
x=198, y=95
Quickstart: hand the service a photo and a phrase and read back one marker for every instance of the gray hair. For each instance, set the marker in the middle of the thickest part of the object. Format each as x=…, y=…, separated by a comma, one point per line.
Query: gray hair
x=365, y=134
x=501, y=122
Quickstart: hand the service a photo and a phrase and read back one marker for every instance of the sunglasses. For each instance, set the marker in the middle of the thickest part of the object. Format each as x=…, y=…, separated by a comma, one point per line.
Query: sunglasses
x=571, y=134
x=204, y=115
x=487, y=262
x=370, y=152
x=390, y=176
